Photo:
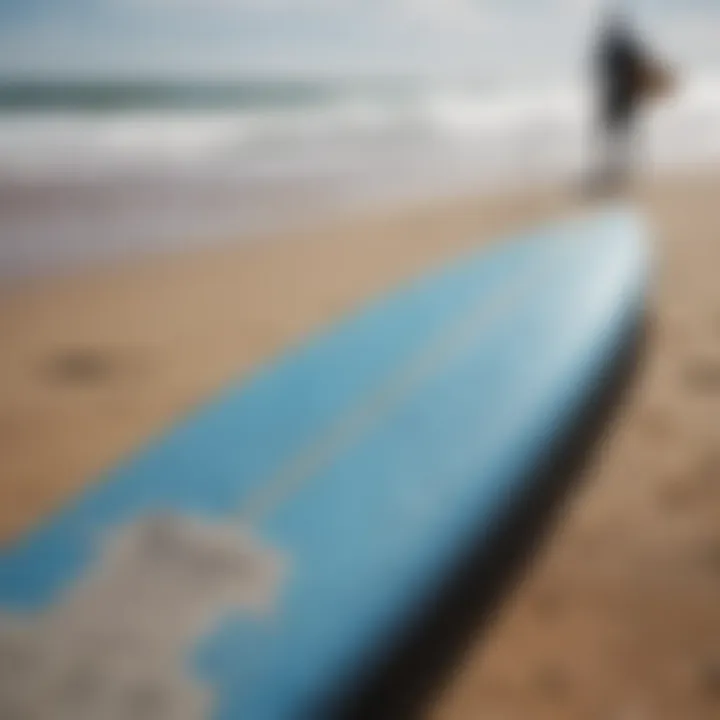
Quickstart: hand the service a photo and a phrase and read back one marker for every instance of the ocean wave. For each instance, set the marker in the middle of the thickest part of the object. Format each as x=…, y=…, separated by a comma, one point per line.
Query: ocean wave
x=551, y=126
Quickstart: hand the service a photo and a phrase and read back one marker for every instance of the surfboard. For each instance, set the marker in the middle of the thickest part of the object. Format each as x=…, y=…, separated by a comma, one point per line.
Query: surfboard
x=265, y=553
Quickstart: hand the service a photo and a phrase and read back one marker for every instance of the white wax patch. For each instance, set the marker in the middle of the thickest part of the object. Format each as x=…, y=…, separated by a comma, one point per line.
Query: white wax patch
x=116, y=644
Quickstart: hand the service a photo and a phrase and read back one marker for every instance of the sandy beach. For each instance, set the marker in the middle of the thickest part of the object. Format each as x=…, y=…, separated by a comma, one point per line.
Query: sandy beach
x=620, y=617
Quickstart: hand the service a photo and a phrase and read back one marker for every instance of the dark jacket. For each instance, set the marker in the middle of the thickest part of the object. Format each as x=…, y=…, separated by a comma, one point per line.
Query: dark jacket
x=619, y=67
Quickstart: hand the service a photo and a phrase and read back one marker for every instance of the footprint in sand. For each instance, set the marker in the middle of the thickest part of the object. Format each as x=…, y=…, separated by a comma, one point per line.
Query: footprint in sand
x=553, y=682
x=698, y=485
x=708, y=557
x=80, y=365
x=702, y=374
x=709, y=679
x=659, y=424
x=87, y=365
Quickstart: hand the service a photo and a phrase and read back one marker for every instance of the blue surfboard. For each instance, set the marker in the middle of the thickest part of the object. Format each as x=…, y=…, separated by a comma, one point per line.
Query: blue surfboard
x=270, y=550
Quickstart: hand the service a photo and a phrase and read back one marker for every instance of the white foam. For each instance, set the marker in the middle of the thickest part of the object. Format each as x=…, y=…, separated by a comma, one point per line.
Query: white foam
x=130, y=181
x=550, y=125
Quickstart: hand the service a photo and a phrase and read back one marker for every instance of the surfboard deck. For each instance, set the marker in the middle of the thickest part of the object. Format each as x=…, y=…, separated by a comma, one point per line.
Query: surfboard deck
x=269, y=550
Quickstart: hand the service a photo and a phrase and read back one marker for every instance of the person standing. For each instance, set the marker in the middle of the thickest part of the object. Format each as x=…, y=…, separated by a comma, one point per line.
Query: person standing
x=627, y=77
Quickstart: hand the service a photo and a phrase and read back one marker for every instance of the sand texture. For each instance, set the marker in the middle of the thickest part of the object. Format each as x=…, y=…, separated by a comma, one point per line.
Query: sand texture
x=619, y=618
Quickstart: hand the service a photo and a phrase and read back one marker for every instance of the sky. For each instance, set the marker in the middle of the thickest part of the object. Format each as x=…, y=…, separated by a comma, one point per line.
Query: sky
x=235, y=38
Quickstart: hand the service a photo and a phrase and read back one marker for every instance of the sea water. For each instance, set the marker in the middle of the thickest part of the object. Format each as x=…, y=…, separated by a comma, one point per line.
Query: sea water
x=91, y=169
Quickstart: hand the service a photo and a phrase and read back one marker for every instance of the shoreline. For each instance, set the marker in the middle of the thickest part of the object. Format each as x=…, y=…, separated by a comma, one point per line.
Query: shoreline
x=51, y=229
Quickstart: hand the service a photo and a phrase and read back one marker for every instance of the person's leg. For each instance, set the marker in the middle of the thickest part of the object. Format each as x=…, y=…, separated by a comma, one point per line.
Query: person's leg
x=599, y=155
x=617, y=152
x=614, y=149
x=624, y=150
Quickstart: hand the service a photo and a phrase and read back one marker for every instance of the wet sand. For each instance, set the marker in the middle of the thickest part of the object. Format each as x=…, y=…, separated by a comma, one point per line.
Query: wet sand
x=619, y=617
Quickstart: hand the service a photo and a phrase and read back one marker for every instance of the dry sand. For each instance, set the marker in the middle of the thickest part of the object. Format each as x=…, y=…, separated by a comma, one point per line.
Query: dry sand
x=619, y=618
